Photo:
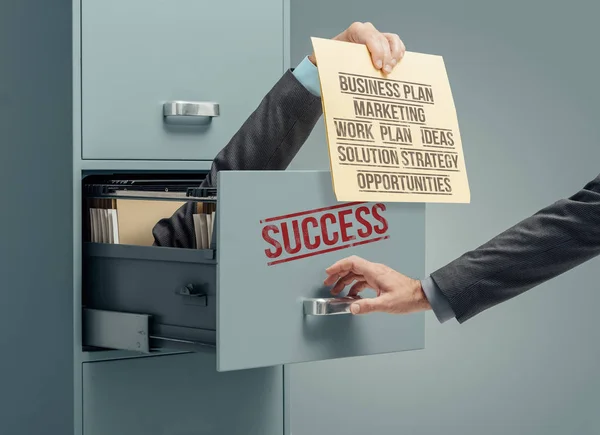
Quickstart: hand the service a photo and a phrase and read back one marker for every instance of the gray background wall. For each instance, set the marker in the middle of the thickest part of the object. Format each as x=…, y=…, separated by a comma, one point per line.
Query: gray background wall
x=524, y=75
x=36, y=218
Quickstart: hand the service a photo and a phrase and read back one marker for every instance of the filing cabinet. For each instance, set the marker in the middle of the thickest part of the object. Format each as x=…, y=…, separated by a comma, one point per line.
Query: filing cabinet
x=154, y=340
x=142, y=60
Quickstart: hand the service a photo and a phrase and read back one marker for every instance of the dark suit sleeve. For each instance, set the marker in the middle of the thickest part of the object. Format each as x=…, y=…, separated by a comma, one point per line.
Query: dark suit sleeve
x=543, y=246
x=268, y=140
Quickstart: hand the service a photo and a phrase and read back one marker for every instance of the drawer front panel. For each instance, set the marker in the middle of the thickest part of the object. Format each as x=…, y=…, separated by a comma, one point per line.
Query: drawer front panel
x=138, y=55
x=278, y=232
x=180, y=395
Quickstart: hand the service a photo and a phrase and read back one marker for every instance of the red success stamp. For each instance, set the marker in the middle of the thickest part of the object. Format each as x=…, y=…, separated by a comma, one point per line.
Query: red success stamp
x=319, y=231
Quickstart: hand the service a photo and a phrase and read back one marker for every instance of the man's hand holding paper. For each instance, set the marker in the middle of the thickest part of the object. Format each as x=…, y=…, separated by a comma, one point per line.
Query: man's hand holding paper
x=386, y=49
x=393, y=134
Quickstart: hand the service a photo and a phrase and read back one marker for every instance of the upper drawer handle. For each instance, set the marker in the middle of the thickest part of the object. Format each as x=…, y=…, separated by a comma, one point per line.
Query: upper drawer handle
x=328, y=306
x=204, y=111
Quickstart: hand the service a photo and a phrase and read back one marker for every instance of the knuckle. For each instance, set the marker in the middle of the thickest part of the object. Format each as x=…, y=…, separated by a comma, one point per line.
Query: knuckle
x=354, y=258
x=356, y=26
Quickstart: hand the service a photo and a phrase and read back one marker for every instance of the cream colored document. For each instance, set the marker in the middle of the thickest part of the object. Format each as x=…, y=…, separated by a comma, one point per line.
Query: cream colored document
x=391, y=138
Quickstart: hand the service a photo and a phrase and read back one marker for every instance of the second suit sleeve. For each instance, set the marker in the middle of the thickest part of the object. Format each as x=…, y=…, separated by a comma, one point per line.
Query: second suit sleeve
x=268, y=140
x=543, y=246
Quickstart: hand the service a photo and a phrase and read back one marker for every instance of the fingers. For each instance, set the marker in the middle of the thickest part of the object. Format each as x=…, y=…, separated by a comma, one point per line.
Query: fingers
x=369, y=305
x=357, y=288
x=378, y=46
x=386, y=49
x=342, y=267
x=338, y=270
x=334, y=274
x=344, y=281
x=397, y=47
x=387, y=55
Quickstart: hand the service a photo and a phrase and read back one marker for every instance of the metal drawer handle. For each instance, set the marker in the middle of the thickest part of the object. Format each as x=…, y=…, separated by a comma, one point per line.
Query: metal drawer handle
x=204, y=111
x=193, y=292
x=328, y=306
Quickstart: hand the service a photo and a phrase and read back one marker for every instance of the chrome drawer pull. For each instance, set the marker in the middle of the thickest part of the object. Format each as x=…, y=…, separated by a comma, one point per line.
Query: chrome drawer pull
x=201, y=111
x=328, y=306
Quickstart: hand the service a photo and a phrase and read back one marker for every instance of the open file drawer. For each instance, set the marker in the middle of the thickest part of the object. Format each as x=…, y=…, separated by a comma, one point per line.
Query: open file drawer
x=257, y=299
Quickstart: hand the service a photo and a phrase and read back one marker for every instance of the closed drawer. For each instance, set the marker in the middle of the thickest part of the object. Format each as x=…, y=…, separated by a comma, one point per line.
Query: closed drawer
x=180, y=395
x=257, y=300
x=138, y=55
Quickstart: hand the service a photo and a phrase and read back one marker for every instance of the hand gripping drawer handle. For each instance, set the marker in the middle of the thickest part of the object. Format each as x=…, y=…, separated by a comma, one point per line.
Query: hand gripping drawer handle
x=328, y=306
x=191, y=110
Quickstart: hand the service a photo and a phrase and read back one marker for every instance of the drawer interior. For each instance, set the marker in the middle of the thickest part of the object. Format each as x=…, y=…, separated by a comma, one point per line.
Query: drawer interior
x=136, y=295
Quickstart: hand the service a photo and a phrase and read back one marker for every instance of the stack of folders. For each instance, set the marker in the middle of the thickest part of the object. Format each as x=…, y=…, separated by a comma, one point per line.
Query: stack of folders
x=130, y=222
x=204, y=220
x=127, y=221
x=104, y=225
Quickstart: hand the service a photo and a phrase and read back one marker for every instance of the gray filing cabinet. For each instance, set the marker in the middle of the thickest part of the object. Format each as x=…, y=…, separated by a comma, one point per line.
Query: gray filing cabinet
x=130, y=354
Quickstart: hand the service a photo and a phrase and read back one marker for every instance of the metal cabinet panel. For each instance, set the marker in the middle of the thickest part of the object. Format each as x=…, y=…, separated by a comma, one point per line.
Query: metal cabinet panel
x=277, y=233
x=137, y=55
x=180, y=395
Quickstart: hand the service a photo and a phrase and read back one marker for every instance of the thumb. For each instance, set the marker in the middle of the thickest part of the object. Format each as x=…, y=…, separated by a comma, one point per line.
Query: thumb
x=369, y=305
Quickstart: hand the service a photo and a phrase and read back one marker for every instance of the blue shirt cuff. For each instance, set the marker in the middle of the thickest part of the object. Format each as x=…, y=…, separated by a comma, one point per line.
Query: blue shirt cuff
x=439, y=303
x=306, y=73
